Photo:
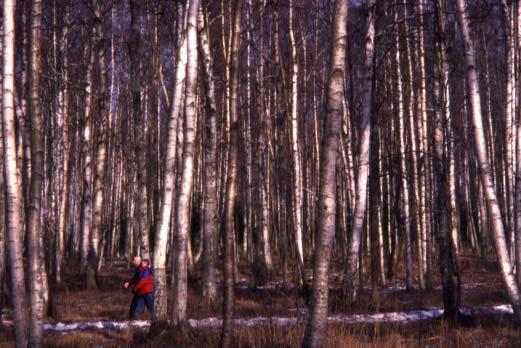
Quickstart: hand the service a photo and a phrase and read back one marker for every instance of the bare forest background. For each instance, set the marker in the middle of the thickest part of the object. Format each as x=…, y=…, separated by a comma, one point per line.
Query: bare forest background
x=257, y=140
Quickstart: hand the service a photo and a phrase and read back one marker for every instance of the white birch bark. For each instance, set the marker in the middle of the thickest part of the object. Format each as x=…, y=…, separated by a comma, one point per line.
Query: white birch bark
x=351, y=280
x=483, y=162
x=297, y=186
x=210, y=237
x=317, y=321
x=403, y=157
x=185, y=193
x=33, y=224
x=160, y=316
x=13, y=196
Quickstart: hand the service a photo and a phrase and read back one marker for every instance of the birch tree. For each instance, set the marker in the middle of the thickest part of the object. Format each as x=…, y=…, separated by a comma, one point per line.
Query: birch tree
x=210, y=237
x=231, y=180
x=317, y=322
x=297, y=185
x=33, y=225
x=13, y=197
x=484, y=163
x=86, y=204
x=100, y=148
x=160, y=315
x=447, y=248
x=351, y=279
x=139, y=123
x=183, y=205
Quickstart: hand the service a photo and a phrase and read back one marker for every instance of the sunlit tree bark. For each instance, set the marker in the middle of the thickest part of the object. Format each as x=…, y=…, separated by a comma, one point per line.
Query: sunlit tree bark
x=160, y=315
x=426, y=238
x=86, y=204
x=317, y=322
x=484, y=164
x=183, y=208
x=351, y=277
x=63, y=123
x=101, y=151
x=13, y=197
x=210, y=237
x=33, y=224
x=297, y=185
x=402, y=131
x=231, y=180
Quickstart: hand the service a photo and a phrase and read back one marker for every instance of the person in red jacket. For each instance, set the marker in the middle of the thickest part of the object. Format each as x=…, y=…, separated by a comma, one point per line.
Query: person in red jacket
x=143, y=290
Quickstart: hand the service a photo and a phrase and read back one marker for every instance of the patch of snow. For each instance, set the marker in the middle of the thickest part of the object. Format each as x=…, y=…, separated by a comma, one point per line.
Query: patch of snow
x=300, y=310
x=402, y=287
x=389, y=317
x=120, y=262
x=498, y=310
x=89, y=325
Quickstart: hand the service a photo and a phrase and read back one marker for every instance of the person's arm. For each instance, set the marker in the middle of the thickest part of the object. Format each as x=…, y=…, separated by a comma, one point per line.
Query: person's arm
x=130, y=283
x=135, y=278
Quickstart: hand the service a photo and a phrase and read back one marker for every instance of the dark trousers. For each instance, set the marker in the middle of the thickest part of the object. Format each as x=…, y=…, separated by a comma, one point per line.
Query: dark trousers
x=139, y=302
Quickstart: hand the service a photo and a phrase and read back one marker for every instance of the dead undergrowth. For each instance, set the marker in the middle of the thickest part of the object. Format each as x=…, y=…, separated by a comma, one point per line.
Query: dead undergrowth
x=111, y=302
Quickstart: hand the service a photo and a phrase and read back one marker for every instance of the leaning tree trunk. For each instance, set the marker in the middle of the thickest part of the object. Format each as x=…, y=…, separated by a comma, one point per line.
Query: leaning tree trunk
x=33, y=225
x=13, y=196
x=160, y=315
x=210, y=237
x=317, y=322
x=351, y=279
x=183, y=205
x=484, y=164
x=231, y=181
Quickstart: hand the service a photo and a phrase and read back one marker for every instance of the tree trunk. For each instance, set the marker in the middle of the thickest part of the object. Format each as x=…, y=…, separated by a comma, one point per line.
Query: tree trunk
x=297, y=186
x=447, y=248
x=86, y=209
x=518, y=163
x=402, y=131
x=160, y=315
x=483, y=162
x=3, y=258
x=183, y=208
x=317, y=322
x=351, y=280
x=509, y=114
x=210, y=237
x=231, y=181
x=13, y=197
x=33, y=225
x=101, y=154
x=426, y=239
x=63, y=105
x=139, y=124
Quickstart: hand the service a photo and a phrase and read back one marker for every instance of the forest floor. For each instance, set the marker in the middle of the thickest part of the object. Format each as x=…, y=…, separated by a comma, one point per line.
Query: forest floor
x=271, y=316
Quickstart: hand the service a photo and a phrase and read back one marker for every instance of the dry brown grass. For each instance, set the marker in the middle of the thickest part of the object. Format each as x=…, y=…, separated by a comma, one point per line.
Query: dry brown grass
x=111, y=303
x=484, y=332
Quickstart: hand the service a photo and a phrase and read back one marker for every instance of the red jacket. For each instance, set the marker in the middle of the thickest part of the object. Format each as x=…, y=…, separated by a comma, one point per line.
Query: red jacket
x=145, y=283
